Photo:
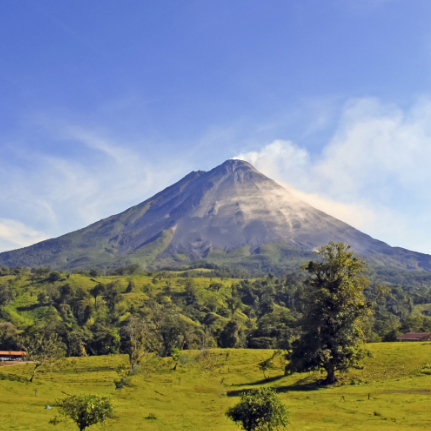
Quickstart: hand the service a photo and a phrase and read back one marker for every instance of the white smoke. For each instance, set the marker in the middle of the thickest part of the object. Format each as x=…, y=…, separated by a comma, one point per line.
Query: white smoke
x=373, y=174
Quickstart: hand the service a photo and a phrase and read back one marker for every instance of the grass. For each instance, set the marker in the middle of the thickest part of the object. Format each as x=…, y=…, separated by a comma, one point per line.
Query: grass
x=392, y=392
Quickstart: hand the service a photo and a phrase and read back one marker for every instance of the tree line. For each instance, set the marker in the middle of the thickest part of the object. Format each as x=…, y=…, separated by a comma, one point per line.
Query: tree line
x=92, y=315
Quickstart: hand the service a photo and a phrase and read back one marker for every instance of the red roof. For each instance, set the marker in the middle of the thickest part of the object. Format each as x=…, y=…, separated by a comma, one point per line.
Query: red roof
x=415, y=336
x=13, y=353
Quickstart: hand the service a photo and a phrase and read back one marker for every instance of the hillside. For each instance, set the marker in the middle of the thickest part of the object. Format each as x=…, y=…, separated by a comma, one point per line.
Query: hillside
x=193, y=309
x=391, y=392
x=231, y=215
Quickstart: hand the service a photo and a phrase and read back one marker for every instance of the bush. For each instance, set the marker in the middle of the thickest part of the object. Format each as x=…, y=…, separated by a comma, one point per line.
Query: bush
x=54, y=276
x=86, y=410
x=259, y=410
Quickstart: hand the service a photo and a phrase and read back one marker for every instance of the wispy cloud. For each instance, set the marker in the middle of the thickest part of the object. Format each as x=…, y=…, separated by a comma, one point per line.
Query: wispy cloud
x=14, y=234
x=374, y=172
x=87, y=176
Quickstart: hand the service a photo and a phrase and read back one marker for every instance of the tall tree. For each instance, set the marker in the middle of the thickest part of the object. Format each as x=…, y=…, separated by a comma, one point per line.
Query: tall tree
x=138, y=339
x=6, y=295
x=112, y=296
x=42, y=350
x=96, y=291
x=8, y=336
x=335, y=309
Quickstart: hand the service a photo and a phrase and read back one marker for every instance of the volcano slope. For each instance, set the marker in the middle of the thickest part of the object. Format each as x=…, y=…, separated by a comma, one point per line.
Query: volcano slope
x=230, y=215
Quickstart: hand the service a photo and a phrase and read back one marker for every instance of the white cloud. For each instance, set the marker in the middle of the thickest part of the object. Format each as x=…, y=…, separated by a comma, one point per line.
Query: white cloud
x=85, y=177
x=292, y=165
x=14, y=234
x=378, y=148
x=278, y=158
x=374, y=173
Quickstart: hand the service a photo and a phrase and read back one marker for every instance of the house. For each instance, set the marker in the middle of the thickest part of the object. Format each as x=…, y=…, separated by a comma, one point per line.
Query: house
x=12, y=356
x=415, y=336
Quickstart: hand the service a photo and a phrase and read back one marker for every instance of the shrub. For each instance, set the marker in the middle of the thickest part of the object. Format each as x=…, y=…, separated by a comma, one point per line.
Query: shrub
x=86, y=410
x=259, y=410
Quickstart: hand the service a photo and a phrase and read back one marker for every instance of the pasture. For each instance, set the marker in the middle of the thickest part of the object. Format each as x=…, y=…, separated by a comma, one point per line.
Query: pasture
x=393, y=391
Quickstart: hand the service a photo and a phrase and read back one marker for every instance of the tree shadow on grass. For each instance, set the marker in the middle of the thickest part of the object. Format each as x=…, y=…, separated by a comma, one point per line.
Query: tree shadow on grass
x=300, y=385
x=261, y=382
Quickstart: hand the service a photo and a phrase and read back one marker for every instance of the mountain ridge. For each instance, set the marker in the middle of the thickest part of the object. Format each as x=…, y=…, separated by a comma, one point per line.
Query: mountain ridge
x=207, y=216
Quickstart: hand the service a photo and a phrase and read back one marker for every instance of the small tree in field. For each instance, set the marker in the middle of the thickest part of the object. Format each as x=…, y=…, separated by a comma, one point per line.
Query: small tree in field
x=176, y=354
x=335, y=310
x=86, y=410
x=139, y=338
x=42, y=350
x=268, y=364
x=259, y=410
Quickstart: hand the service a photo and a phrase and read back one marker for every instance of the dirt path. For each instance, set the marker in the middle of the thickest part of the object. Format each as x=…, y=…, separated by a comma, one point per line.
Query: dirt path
x=9, y=363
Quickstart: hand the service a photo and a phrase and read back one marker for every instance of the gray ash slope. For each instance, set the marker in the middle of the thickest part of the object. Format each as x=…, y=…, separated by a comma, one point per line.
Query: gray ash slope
x=232, y=214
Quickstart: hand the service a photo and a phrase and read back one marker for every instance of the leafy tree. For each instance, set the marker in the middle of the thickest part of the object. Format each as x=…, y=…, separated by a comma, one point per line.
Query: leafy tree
x=176, y=354
x=259, y=410
x=42, y=350
x=86, y=410
x=94, y=272
x=335, y=309
x=96, y=291
x=130, y=286
x=231, y=335
x=104, y=341
x=233, y=304
x=215, y=286
x=268, y=364
x=41, y=271
x=190, y=291
x=54, y=276
x=8, y=336
x=73, y=337
x=4, y=270
x=132, y=269
x=138, y=339
x=112, y=296
x=125, y=270
x=6, y=295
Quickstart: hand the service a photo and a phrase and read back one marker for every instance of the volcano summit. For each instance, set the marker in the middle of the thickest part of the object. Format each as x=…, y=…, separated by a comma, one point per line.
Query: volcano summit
x=232, y=214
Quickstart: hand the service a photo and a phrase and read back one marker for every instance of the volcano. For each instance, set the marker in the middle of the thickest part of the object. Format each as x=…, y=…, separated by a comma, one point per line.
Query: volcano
x=231, y=215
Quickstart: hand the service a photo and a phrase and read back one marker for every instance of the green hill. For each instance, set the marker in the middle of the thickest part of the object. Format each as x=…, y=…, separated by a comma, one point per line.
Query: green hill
x=391, y=392
x=193, y=308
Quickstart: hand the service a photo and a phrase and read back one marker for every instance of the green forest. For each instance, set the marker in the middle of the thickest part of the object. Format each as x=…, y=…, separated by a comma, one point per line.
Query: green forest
x=191, y=309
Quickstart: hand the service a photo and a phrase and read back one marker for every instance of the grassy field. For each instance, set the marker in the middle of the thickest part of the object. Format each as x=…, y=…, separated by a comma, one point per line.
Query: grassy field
x=392, y=392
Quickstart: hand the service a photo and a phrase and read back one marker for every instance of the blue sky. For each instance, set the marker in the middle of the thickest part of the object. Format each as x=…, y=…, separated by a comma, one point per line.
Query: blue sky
x=104, y=103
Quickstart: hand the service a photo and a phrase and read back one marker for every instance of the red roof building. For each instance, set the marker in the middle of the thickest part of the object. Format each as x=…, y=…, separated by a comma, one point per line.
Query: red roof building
x=415, y=336
x=12, y=356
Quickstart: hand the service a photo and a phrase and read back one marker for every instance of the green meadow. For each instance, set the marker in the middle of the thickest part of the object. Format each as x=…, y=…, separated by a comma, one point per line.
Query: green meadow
x=392, y=392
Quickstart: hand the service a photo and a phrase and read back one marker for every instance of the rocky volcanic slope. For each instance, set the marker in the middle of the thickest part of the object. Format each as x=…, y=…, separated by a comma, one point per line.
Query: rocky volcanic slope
x=232, y=214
